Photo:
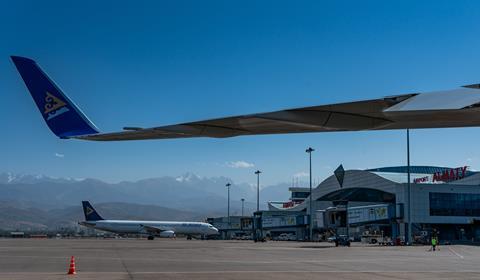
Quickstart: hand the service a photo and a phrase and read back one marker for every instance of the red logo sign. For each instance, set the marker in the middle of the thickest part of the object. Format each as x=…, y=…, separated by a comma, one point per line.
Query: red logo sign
x=290, y=204
x=450, y=174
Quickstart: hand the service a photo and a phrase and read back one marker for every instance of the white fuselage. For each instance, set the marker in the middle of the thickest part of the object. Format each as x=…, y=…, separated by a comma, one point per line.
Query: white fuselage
x=140, y=227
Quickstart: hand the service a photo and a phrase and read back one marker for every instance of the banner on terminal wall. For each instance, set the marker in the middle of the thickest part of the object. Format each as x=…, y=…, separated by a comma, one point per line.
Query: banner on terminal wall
x=363, y=214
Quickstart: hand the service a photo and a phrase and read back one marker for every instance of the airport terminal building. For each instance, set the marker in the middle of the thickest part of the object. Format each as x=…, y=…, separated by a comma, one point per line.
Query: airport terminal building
x=443, y=199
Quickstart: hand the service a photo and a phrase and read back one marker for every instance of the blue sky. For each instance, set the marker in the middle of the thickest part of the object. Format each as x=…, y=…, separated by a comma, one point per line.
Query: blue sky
x=151, y=63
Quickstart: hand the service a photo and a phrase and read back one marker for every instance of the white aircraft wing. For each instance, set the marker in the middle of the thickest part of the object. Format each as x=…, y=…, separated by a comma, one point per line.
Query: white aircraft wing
x=153, y=230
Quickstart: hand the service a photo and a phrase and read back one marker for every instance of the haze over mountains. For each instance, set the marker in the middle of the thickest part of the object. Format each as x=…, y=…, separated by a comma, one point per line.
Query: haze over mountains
x=39, y=202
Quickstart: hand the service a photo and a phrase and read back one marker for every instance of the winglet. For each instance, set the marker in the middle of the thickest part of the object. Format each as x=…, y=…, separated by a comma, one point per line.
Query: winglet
x=62, y=116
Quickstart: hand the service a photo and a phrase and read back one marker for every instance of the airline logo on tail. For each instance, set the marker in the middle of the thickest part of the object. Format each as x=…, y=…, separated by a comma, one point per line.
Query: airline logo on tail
x=54, y=106
x=88, y=210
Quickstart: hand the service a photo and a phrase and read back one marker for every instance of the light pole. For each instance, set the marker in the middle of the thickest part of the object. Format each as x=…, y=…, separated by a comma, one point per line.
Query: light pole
x=409, y=223
x=243, y=201
x=258, y=189
x=309, y=151
x=228, y=207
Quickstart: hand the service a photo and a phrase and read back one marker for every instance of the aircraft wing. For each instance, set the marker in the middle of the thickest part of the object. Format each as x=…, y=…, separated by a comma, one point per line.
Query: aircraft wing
x=153, y=230
x=362, y=115
x=452, y=108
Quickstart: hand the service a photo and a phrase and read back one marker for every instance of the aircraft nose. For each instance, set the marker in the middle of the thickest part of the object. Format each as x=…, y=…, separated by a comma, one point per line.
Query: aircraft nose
x=214, y=230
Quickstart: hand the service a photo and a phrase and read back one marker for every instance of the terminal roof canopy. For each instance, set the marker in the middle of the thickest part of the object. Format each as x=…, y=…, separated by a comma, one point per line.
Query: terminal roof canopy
x=450, y=108
x=359, y=194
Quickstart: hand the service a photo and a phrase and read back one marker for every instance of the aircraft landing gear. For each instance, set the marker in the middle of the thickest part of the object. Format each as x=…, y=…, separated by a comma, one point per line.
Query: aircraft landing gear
x=151, y=237
x=189, y=237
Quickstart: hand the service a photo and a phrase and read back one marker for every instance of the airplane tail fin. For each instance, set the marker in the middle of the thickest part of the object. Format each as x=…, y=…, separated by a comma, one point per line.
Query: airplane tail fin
x=62, y=116
x=90, y=213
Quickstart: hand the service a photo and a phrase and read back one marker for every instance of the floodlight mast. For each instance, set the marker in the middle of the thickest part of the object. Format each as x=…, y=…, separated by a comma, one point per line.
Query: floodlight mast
x=409, y=197
x=243, y=201
x=258, y=189
x=310, y=223
x=228, y=203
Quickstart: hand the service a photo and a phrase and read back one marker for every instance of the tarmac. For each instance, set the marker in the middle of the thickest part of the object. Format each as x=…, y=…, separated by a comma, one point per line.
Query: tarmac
x=213, y=259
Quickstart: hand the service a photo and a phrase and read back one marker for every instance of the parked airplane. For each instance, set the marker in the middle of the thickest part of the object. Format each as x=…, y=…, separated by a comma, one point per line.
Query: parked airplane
x=150, y=228
x=450, y=108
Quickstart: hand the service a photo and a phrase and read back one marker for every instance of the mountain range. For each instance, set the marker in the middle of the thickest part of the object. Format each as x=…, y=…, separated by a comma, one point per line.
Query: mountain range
x=40, y=202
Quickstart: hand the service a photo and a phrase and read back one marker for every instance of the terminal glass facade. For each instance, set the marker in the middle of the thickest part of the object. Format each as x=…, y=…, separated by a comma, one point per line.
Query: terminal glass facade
x=454, y=204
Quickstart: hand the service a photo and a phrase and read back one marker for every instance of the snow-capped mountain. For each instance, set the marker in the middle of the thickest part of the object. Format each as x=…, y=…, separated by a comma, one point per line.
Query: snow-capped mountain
x=188, y=191
x=11, y=178
x=30, y=198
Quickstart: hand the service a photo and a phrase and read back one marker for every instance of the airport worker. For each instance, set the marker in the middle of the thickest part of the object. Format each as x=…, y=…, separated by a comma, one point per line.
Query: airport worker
x=434, y=243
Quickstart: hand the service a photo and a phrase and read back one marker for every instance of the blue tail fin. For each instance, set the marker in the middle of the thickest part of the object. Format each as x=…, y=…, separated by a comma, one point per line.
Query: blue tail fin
x=90, y=213
x=62, y=116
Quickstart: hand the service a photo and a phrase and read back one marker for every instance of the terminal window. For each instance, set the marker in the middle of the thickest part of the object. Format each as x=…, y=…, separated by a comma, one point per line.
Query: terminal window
x=300, y=194
x=454, y=204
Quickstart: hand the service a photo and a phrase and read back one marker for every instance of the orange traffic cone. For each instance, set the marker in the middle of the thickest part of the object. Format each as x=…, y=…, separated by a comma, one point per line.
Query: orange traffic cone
x=71, y=270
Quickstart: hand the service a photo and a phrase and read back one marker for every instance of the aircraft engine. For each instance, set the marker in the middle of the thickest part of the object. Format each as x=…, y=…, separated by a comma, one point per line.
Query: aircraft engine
x=167, y=234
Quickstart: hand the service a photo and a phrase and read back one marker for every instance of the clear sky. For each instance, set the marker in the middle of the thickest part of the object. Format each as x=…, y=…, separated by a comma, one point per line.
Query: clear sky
x=151, y=63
